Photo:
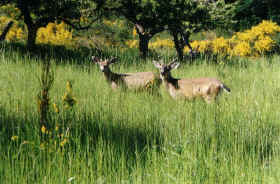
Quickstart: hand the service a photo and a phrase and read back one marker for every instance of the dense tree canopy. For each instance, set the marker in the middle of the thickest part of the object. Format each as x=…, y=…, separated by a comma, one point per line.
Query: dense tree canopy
x=184, y=17
x=38, y=13
x=143, y=14
x=180, y=17
x=251, y=12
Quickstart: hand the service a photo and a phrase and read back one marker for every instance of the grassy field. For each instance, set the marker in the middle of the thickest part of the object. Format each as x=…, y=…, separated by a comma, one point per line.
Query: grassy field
x=128, y=137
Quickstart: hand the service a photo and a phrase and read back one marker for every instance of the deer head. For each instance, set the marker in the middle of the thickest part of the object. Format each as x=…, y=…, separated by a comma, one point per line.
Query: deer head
x=103, y=64
x=165, y=69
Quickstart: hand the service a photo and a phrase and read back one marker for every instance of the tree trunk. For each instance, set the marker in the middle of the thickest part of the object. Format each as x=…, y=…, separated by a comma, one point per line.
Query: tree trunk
x=31, y=38
x=6, y=30
x=178, y=45
x=185, y=37
x=144, y=45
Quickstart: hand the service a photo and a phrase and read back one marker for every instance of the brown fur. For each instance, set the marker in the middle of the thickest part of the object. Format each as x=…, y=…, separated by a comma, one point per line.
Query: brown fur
x=206, y=88
x=139, y=80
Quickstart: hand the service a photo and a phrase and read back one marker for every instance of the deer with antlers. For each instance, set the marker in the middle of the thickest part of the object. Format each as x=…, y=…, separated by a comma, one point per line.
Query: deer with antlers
x=136, y=81
x=207, y=88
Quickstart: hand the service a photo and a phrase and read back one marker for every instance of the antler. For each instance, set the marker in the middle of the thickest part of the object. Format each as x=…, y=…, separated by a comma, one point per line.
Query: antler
x=113, y=60
x=174, y=64
x=95, y=59
x=173, y=61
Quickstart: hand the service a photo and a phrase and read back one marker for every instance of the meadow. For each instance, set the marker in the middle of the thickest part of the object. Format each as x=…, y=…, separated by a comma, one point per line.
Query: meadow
x=137, y=137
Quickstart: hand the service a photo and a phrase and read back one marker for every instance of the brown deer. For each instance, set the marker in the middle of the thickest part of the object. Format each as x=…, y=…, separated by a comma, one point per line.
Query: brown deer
x=136, y=81
x=207, y=88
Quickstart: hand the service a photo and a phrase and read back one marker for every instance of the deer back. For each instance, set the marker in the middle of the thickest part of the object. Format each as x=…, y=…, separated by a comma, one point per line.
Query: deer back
x=140, y=79
x=199, y=87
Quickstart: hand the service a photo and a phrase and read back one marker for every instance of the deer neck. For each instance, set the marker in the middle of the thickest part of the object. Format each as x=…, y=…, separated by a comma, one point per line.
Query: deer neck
x=110, y=76
x=170, y=82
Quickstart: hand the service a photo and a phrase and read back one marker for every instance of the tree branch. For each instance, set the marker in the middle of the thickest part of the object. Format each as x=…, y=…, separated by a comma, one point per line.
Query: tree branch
x=42, y=22
x=26, y=13
x=79, y=27
x=6, y=30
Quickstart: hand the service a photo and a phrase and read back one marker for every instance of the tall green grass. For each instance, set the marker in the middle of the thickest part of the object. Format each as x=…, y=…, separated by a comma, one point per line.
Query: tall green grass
x=129, y=137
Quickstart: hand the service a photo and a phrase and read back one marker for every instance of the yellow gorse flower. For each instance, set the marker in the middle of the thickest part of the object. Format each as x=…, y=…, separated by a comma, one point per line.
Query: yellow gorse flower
x=252, y=42
x=53, y=33
x=15, y=33
x=56, y=34
x=265, y=44
x=242, y=49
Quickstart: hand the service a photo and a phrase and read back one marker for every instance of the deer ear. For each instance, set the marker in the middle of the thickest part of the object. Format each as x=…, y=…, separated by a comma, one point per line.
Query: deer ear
x=157, y=65
x=95, y=59
x=113, y=60
x=174, y=65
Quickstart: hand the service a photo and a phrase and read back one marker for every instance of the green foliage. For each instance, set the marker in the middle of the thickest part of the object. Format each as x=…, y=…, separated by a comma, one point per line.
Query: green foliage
x=36, y=14
x=222, y=15
x=252, y=12
x=151, y=17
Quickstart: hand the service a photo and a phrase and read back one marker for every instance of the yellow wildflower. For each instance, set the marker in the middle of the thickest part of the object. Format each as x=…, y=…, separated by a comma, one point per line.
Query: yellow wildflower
x=56, y=109
x=68, y=86
x=63, y=142
x=14, y=138
x=68, y=99
x=43, y=129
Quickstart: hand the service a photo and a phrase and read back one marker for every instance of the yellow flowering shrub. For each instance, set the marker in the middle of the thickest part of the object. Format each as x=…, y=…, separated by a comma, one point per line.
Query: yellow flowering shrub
x=220, y=46
x=161, y=43
x=55, y=34
x=264, y=44
x=203, y=46
x=15, y=33
x=132, y=43
x=241, y=49
x=254, y=42
x=246, y=36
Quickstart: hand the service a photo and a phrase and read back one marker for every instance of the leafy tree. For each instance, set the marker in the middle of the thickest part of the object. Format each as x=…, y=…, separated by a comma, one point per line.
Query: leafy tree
x=38, y=13
x=144, y=16
x=222, y=14
x=180, y=17
x=183, y=17
x=251, y=12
